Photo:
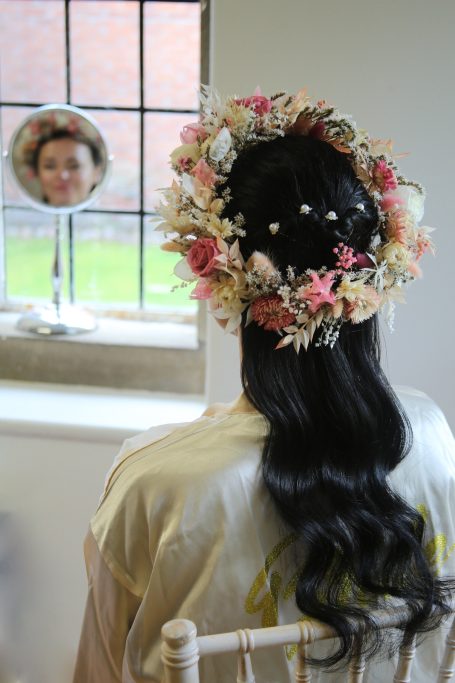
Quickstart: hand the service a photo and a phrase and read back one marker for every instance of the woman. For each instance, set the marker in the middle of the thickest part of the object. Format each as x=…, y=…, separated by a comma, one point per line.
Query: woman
x=306, y=494
x=68, y=166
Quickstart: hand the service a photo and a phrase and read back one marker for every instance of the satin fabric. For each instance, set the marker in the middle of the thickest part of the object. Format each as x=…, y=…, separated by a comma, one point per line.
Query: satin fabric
x=185, y=528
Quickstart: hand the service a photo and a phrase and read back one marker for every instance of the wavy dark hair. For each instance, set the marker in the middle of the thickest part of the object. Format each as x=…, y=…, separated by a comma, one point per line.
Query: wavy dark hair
x=336, y=428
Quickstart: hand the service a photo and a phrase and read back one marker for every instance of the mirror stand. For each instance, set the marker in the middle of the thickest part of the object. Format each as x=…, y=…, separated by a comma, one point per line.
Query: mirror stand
x=57, y=318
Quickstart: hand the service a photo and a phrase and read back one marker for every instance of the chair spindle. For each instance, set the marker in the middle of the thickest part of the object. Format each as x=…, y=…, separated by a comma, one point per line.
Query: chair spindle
x=180, y=652
x=244, y=667
x=448, y=661
x=356, y=670
x=302, y=669
x=405, y=660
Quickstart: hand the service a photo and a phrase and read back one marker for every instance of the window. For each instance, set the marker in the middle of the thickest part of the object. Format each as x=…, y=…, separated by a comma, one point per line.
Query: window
x=135, y=67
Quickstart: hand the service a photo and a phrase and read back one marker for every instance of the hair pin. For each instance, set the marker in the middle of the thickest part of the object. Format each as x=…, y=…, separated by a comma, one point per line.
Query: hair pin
x=274, y=227
x=331, y=216
x=305, y=208
x=360, y=207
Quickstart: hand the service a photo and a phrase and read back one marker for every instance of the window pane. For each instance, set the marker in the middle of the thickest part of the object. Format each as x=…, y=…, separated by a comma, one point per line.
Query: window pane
x=33, y=51
x=30, y=244
x=105, y=53
x=160, y=279
x=106, y=256
x=161, y=137
x=121, y=130
x=11, y=118
x=171, y=58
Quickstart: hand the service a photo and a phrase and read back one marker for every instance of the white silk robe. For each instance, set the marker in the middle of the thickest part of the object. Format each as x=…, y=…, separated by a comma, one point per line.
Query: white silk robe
x=185, y=528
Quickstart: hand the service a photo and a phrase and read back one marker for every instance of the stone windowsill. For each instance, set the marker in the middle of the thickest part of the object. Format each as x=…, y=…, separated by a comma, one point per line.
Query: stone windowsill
x=153, y=356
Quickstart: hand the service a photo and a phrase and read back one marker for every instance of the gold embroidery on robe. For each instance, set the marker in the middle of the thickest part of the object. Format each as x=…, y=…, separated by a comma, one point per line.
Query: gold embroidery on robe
x=436, y=551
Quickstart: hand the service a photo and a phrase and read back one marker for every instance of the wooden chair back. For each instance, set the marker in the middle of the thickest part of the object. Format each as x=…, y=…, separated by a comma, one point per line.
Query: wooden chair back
x=182, y=649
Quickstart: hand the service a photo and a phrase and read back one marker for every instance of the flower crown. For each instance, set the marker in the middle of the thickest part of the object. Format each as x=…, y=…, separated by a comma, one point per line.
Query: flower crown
x=299, y=306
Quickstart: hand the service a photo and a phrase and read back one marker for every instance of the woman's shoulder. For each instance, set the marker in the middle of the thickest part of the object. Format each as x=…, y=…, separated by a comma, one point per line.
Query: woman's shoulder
x=429, y=468
x=426, y=417
x=175, y=472
x=412, y=397
x=224, y=434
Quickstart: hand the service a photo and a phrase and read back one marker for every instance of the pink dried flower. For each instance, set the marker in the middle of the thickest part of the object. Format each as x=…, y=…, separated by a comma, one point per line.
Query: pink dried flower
x=184, y=163
x=269, y=312
x=202, y=291
x=35, y=127
x=415, y=269
x=399, y=222
x=192, y=132
x=390, y=202
x=317, y=131
x=345, y=255
x=259, y=104
x=202, y=256
x=204, y=173
x=384, y=177
x=319, y=292
x=73, y=125
x=423, y=243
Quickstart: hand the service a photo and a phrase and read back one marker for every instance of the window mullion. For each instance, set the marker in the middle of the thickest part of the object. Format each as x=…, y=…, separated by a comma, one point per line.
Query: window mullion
x=2, y=226
x=142, y=156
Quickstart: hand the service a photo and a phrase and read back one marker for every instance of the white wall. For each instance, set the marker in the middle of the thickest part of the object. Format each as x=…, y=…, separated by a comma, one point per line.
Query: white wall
x=390, y=64
x=49, y=488
x=56, y=445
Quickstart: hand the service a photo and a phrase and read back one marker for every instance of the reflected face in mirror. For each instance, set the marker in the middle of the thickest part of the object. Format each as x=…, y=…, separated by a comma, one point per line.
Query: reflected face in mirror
x=59, y=159
x=68, y=169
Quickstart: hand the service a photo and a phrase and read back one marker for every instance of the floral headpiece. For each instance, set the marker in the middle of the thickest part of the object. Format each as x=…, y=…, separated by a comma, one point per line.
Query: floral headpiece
x=299, y=306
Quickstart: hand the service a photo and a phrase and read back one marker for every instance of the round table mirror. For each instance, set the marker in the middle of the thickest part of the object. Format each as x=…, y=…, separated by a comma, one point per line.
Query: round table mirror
x=59, y=160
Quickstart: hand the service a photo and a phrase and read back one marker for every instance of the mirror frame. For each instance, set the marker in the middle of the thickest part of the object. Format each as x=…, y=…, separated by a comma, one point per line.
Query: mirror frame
x=94, y=194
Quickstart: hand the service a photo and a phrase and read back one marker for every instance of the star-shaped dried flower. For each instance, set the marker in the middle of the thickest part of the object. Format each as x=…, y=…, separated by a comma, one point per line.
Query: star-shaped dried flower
x=319, y=292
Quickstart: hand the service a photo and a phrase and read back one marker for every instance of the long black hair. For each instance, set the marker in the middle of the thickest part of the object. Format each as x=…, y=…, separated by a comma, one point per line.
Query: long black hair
x=336, y=428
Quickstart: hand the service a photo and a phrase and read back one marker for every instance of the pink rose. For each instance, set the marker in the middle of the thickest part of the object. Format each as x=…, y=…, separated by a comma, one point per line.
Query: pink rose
x=192, y=132
x=204, y=173
x=261, y=105
x=202, y=256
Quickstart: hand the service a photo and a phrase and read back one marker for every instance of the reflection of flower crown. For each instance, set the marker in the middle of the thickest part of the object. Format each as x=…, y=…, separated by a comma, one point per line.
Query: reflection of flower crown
x=55, y=124
x=296, y=305
x=45, y=127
